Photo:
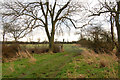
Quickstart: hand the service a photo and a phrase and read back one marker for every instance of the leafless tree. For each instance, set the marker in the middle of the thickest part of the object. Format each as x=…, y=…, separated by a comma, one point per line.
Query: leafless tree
x=95, y=32
x=15, y=29
x=111, y=7
x=5, y=30
x=43, y=14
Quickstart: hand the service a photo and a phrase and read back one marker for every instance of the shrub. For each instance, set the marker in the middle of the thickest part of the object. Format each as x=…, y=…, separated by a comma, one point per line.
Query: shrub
x=45, y=49
x=98, y=46
x=9, y=51
x=100, y=40
x=12, y=50
x=102, y=47
x=85, y=43
x=58, y=48
x=38, y=50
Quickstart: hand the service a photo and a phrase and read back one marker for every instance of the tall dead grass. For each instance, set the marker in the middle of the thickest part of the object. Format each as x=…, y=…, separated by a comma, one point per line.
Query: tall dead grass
x=21, y=55
x=103, y=60
x=26, y=54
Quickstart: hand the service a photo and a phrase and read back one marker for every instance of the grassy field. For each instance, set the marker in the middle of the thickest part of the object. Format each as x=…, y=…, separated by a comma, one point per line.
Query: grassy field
x=74, y=62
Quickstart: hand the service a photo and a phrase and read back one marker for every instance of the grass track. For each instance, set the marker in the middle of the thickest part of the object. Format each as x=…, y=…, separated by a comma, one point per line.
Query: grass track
x=69, y=64
x=47, y=65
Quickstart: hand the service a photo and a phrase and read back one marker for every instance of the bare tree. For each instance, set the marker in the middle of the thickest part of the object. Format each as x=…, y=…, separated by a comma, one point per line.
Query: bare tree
x=5, y=30
x=15, y=29
x=43, y=14
x=17, y=32
x=111, y=7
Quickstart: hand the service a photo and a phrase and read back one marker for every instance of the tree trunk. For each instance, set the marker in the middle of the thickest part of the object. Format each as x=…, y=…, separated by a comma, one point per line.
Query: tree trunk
x=16, y=39
x=118, y=46
x=112, y=27
x=3, y=37
x=118, y=32
x=118, y=28
x=51, y=42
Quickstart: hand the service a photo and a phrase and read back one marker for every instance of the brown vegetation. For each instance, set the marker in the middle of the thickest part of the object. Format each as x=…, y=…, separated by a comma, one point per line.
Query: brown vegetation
x=45, y=49
x=38, y=50
x=100, y=40
x=98, y=47
x=104, y=60
x=58, y=48
x=11, y=52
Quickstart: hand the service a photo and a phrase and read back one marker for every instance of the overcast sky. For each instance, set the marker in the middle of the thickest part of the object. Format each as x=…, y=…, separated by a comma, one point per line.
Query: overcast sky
x=68, y=35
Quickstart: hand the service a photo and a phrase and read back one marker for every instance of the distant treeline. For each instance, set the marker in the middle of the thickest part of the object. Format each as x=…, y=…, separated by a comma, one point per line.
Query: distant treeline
x=11, y=42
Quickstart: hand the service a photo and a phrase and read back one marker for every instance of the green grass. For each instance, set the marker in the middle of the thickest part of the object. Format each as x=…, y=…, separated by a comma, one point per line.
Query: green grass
x=58, y=65
x=80, y=69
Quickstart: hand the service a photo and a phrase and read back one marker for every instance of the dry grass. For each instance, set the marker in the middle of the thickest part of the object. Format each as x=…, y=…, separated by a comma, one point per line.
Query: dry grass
x=20, y=55
x=75, y=73
x=26, y=54
x=11, y=67
x=103, y=60
x=23, y=54
x=32, y=60
x=91, y=56
x=9, y=51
